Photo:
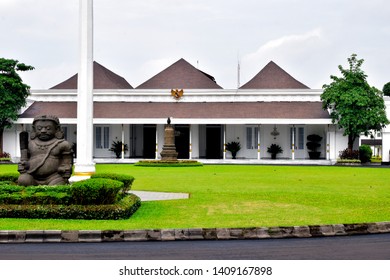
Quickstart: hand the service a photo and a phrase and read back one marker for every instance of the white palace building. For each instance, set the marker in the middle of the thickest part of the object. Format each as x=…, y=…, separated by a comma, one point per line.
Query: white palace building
x=271, y=108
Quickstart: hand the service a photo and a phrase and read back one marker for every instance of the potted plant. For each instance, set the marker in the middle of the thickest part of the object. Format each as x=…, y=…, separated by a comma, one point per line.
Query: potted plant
x=313, y=144
x=233, y=147
x=274, y=149
x=116, y=147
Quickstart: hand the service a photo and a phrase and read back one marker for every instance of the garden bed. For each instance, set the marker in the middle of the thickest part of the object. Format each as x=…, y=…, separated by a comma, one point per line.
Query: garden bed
x=162, y=163
x=103, y=197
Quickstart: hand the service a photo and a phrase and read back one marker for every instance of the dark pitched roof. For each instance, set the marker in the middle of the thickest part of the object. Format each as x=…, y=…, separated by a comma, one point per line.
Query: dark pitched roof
x=273, y=77
x=103, y=78
x=180, y=75
x=194, y=110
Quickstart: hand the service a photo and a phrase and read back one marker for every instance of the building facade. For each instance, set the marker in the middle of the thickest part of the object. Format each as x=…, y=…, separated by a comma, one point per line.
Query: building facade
x=271, y=108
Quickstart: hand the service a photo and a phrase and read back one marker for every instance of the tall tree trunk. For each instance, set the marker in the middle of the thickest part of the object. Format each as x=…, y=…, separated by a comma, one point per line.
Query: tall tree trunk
x=351, y=140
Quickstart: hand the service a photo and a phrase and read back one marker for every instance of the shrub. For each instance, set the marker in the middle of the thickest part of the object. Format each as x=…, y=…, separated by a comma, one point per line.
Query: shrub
x=116, y=147
x=10, y=177
x=122, y=209
x=234, y=148
x=162, y=163
x=365, y=153
x=95, y=191
x=12, y=194
x=127, y=180
x=349, y=154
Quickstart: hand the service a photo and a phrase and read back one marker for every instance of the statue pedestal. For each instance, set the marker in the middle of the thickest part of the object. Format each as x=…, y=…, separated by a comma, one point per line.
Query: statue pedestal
x=168, y=152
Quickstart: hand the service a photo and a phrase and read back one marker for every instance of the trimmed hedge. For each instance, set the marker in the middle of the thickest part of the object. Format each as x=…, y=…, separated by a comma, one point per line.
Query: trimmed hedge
x=13, y=194
x=127, y=180
x=161, y=163
x=10, y=177
x=95, y=191
x=102, y=197
x=122, y=209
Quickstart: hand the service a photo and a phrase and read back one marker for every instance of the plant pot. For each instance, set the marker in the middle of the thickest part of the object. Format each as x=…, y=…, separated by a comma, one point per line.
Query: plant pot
x=273, y=156
x=314, y=155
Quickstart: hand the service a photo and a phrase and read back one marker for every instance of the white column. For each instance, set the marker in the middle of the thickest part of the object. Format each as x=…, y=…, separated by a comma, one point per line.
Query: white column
x=156, y=152
x=224, y=141
x=258, y=143
x=190, y=155
x=386, y=145
x=85, y=166
x=293, y=143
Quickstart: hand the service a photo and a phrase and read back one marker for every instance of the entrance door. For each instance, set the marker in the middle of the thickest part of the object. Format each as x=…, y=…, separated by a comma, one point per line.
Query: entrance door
x=149, y=140
x=214, y=142
x=299, y=141
x=182, y=141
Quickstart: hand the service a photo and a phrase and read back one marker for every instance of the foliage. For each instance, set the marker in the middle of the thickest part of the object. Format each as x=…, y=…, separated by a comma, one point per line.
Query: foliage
x=354, y=105
x=116, y=147
x=313, y=142
x=386, y=89
x=274, y=149
x=233, y=147
x=122, y=209
x=365, y=153
x=13, y=177
x=162, y=163
x=126, y=179
x=349, y=161
x=349, y=154
x=43, y=195
x=95, y=191
x=96, y=198
x=13, y=93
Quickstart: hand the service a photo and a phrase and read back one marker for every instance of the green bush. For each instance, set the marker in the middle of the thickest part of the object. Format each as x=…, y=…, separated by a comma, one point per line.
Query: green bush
x=122, y=209
x=10, y=177
x=365, y=153
x=127, y=180
x=162, y=163
x=13, y=194
x=95, y=191
x=349, y=154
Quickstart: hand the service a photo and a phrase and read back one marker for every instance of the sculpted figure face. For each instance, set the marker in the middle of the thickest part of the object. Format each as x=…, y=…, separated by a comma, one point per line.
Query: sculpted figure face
x=45, y=129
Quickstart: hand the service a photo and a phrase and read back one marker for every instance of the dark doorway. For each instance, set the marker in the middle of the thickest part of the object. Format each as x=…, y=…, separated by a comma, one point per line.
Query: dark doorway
x=182, y=141
x=214, y=142
x=149, y=141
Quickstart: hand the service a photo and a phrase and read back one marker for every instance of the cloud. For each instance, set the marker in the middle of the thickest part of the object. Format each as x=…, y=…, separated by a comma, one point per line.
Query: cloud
x=294, y=49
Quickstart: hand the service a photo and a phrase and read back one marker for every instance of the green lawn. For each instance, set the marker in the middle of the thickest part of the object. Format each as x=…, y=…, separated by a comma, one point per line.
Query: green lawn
x=243, y=196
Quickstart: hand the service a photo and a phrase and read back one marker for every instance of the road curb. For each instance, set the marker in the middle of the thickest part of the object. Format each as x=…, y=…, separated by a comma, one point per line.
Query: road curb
x=82, y=236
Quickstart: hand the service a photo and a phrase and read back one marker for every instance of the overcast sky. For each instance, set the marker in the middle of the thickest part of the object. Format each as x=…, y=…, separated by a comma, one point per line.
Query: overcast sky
x=139, y=38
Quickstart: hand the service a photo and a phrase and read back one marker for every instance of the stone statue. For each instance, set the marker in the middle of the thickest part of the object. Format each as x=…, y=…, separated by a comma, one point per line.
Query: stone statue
x=47, y=158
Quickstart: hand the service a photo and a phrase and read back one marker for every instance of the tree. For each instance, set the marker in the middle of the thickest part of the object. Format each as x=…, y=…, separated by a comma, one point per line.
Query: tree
x=13, y=93
x=354, y=105
x=386, y=89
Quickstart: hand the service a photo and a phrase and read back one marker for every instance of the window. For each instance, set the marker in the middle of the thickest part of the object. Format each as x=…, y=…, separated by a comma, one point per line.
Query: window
x=251, y=137
x=102, y=137
x=299, y=138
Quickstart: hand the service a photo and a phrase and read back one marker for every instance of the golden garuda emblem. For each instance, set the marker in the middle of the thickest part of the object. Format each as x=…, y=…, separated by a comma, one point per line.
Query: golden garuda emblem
x=177, y=93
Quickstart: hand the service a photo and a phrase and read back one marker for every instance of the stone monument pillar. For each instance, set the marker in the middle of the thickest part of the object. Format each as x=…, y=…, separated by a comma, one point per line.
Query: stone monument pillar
x=168, y=152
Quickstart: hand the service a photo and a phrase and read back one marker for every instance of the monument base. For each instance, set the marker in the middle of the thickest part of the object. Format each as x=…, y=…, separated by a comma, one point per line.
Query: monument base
x=169, y=153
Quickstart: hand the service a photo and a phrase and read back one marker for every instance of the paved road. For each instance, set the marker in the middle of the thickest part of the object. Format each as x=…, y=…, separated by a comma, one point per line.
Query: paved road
x=364, y=247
